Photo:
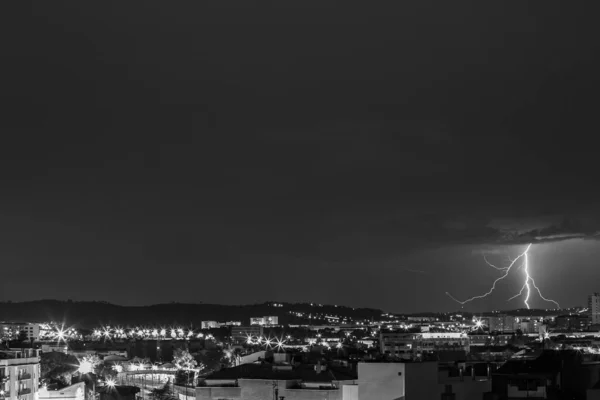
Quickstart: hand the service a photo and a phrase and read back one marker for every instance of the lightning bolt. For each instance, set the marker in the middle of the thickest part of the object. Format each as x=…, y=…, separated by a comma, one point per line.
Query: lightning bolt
x=527, y=284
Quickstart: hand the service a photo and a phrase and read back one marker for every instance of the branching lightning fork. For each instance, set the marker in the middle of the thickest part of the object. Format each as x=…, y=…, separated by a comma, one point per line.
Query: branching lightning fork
x=528, y=283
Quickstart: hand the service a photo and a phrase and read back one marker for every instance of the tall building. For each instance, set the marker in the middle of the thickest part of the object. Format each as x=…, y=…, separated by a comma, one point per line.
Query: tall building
x=594, y=308
x=19, y=374
x=501, y=323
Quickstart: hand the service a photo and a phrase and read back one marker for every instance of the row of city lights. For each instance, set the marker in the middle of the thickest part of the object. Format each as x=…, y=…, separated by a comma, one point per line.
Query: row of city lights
x=50, y=332
x=280, y=344
x=123, y=333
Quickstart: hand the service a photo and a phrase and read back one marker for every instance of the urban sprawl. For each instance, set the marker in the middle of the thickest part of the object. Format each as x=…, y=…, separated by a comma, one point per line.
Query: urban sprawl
x=542, y=354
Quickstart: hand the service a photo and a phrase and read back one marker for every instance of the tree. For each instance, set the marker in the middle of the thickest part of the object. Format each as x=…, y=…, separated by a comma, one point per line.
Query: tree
x=185, y=363
x=5, y=337
x=57, y=367
x=182, y=359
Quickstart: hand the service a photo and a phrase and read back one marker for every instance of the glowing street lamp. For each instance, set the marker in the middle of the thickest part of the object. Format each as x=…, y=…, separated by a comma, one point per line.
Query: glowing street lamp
x=85, y=367
x=280, y=344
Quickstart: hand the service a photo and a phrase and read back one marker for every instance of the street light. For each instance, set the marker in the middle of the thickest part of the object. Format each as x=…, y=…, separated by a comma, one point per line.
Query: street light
x=85, y=367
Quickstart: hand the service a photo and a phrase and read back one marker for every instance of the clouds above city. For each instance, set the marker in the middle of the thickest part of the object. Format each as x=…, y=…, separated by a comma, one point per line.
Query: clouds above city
x=236, y=143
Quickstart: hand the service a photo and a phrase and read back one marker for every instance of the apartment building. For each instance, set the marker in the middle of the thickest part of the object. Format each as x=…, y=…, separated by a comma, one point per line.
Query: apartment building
x=406, y=345
x=19, y=374
x=268, y=320
x=14, y=330
x=594, y=308
x=502, y=323
x=244, y=332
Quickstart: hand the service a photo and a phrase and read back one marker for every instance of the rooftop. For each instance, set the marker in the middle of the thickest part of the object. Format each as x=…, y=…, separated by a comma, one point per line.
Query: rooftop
x=549, y=362
x=10, y=354
x=266, y=371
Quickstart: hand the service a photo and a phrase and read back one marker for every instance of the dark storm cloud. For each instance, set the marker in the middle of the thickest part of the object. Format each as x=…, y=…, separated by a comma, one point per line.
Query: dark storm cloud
x=206, y=135
x=586, y=227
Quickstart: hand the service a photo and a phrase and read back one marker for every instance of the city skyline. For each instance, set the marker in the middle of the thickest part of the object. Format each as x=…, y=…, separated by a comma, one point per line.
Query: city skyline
x=363, y=156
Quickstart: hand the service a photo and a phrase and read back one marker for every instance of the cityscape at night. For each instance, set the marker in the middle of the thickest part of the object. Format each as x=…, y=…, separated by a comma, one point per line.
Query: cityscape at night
x=300, y=200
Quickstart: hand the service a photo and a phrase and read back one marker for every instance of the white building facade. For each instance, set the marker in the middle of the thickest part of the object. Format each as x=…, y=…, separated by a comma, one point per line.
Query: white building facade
x=594, y=308
x=19, y=374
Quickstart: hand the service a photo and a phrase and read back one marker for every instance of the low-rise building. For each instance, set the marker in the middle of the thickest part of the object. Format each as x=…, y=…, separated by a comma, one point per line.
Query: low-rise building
x=19, y=374
x=266, y=320
x=487, y=339
x=216, y=325
x=73, y=392
x=14, y=330
x=267, y=381
x=572, y=322
x=422, y=380
x=408, y=345
x=244, y=332
x=210, y=324
x=421, y=318
x=549, y=375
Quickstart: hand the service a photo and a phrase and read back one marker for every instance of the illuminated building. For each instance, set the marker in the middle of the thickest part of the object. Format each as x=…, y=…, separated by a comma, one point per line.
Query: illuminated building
x=407, y=345
x=421, y=318
x=485, y=339
x=243, y=332
x=15, y=329
x=501, y=323
x=529, y=325
x=267, y=320
x=575, y=322
x=210, y=324
x=19, y=374
x=594, y=308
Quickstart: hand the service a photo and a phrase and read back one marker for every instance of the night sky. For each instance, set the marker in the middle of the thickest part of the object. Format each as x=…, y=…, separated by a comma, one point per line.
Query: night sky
x=336, y=152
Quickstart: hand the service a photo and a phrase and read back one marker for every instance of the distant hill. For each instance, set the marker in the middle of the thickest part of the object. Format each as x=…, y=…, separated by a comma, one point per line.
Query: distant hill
x=89, y=314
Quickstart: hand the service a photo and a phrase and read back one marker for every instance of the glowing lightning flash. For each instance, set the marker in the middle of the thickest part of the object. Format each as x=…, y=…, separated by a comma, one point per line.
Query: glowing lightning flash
x=526, y=285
